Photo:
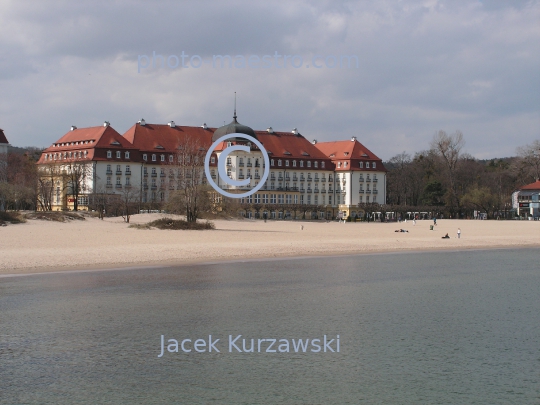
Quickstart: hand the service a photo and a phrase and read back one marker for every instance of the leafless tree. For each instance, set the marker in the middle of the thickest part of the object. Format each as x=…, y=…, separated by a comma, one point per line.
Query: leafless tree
x=448, y=148
x=529, y=161
x=129, y=199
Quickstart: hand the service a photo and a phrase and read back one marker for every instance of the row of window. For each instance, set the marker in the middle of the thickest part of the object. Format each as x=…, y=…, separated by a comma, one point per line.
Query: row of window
x=360, y=164
x=66, y=155
x=118, y=154
x=57, y=145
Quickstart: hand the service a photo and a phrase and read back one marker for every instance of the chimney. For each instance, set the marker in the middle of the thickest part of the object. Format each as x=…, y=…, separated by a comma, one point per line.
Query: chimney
x=106, y=123
x=142, y=122
x=314, y=142
x=295, y=131
x=73, y=127
x=270, y=130
x=353, y=139
x=172, y=124
x=204, y=126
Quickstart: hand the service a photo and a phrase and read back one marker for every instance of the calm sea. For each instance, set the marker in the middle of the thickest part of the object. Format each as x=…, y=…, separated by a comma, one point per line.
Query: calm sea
x=415, y=328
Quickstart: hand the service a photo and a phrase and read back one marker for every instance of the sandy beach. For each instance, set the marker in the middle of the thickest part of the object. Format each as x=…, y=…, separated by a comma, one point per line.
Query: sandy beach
x=45, y=246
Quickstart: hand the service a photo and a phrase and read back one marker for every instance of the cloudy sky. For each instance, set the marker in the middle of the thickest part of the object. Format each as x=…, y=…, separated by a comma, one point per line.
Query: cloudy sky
x=422, y=66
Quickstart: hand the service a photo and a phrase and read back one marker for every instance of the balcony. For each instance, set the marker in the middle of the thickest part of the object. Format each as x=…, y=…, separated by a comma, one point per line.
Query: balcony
x=128, y=186
x=374, y=180
x=309, y=179
x=280, y=178
x=108, y=185
x=361, y=190
x=361, y=179
x=213, y=176
x=323, y=180
x=257, y=165
x=257, y=176
x=128, y=172
x=171, y=175
x=249, y=165
x=240, y=176
x=145, y=174
x=241, y=164
x=162, y=175
x=368, y=191
x=323, y=191
x=375, y=192
x=154, y=187
x=302, y=179
x=171, y=187
x=316, y=190
x=302, y=190
x=368, y=180
x=316, y=180
x=118, y=186
x=309, y=190
x=119, y=172
x=154, y=174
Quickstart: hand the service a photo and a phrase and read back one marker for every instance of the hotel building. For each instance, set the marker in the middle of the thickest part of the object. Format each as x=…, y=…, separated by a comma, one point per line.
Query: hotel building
x=527, y=202
x=330, y=177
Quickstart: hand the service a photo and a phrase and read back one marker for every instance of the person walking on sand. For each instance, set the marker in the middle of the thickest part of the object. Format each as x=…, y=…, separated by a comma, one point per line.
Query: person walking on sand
x=459, y=233
x=434, y=221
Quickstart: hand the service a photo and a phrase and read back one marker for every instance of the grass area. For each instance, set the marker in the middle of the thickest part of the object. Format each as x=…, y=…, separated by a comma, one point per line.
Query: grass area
x=175, y=224
x=11, y=217
x=58, y=216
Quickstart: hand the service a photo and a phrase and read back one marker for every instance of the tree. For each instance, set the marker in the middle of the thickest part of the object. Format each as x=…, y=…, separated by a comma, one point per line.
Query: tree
x=448, y=148
x=129, y=200
x=529, y=161
x=77, y=175
x=193, y=196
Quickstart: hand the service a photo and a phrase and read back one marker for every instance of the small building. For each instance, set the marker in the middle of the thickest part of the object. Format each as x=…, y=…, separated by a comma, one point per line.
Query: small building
x=528, y=200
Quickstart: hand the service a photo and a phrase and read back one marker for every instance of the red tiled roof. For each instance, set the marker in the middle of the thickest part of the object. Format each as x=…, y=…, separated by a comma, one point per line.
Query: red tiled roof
x=90, y=139
x=532, y=186
x=286, y=145
x=150, y=137
x=352, y=151
x=3, y=138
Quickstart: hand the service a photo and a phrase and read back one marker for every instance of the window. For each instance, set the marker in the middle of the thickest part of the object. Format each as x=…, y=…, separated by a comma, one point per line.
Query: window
x=316, y=164
x=163, y=158
x=265, y=198
x=373, y=165
x=272, y=198
x=339, y=164
x=108, y=168
x=322, y=165
x=316, y=200
x=127, y=181
x=329, y=200
x=271, y=162
x=153, y=157
x=361, y=165
x=257, y=198
x=108, y=180
x=279, y=162
x=118, y=154
x=109, y=154
x=296, y=199
x=345, y=164
x=126, y=155
x=118, y=181
x=118, y=168
x=309, y=199
x=229, y=172
x=171, y=158
x=280, y=198
x=294, y=163
x=153, y=171
x=308, y=163
x=212, y=160
x=229, y=160
x=145, y=156
x=367, y=165
x=301, y=163
x=287, y=163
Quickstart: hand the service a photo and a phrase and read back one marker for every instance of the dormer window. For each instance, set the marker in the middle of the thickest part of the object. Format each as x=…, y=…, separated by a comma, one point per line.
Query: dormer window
x=109, y=154
x=316, y=164
x=322, y=165
x=145, y=157
x=279, y=162
x=126, y=155
x=367, y=165
x=171, y=158
x=118, y=154
x=301, y=163
x=373, y=165
x=163, y=158
x=153, y=157
x=361, y=165
x=294, y=163
x=286, y=163
x=308, y=163
x=271, y=162
x=212, y=160
x=339, y=164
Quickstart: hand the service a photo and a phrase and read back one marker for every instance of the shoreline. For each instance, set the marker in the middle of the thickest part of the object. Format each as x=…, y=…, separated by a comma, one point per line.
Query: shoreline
x=39, y=247
x=32, y=271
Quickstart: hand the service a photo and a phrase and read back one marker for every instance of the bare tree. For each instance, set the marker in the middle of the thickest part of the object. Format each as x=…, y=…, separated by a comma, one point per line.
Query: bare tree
x=193, y=195
x=129, y=199
x=77, y=174
x=448, y=148
x=529, y=161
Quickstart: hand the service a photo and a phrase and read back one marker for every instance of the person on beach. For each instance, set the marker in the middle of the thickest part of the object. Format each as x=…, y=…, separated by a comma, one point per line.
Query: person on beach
x=414, y=222
x=445, y=237
x=459, y=233
x=434, y=221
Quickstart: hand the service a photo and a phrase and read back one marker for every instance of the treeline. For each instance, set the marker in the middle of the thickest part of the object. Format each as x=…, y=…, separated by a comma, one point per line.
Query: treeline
x=450, y=181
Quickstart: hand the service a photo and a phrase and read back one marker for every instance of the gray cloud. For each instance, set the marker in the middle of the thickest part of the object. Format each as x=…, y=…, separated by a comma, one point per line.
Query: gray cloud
x=423, y=66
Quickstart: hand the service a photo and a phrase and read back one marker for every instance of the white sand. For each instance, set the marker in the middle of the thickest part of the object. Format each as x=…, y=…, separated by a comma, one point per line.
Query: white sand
x=41, y=246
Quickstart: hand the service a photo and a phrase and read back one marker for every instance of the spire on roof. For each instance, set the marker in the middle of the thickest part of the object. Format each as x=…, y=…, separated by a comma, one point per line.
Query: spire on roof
x=234, y=116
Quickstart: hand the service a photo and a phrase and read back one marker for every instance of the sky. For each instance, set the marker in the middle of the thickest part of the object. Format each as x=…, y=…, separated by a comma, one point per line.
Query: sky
x=422, y=66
